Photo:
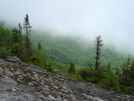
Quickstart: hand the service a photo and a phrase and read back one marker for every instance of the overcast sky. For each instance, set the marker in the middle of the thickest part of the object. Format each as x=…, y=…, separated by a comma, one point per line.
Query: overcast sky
x=112, y=19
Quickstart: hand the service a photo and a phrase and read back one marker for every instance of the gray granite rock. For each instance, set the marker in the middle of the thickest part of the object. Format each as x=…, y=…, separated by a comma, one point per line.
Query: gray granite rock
x=24, y=82
x=13, y=58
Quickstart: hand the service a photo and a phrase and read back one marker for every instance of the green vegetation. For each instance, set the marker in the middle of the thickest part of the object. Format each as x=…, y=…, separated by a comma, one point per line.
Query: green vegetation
x=109, y=79
x=14, y=43
x=114, y=73
x=68, y=49
x=110, y=75
x=71, y=69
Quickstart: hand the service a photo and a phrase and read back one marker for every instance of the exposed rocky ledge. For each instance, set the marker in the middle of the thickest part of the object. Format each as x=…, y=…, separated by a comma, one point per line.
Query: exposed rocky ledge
x=23, y=82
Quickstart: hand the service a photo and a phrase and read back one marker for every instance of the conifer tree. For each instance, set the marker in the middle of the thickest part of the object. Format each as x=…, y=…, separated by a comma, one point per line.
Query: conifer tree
x=20, y=33
x=128, y=62
x=27, y=29
x=98, y=51
x=71, y=69
x=15, y=35
x=128, y=73
x=39, y=46
x=27, y=40
x=1, y=23
x=27, y=25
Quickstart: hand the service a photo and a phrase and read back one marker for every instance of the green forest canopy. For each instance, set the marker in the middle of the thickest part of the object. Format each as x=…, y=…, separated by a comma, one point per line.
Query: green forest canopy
x=68, y=49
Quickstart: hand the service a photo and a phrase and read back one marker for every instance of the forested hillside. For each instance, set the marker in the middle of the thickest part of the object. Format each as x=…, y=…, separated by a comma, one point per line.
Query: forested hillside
x=33, y=49
x=71, y=49
x=116, y=69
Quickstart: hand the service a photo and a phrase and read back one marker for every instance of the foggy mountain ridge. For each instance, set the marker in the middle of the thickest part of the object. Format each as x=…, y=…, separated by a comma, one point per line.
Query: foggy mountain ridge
x=65, y=50
x=85, y=42
x=113, y=20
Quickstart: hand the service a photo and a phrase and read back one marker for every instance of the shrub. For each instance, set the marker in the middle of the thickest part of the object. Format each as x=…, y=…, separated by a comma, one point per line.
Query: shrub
x=92, y=75
x=84, y=72
x=4, y=51
x=77, y=77
x=71, y=69
x=111, y=82
x=129, y=89
x=48, y=66
x=93, y=79
x=49, y=69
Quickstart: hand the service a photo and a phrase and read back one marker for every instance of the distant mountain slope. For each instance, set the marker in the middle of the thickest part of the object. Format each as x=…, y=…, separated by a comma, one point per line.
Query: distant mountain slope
x=71, y=49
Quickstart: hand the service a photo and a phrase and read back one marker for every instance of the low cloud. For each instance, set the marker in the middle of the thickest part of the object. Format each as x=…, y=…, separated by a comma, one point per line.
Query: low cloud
x=112, y=19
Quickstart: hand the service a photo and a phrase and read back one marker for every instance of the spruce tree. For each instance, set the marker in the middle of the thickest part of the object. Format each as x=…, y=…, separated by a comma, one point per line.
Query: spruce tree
x=27, y=39
x=39, y=46
x=20, y=33
x=27, y=25
x=27, y=29
x=15, y=35
x=1, y=23
x=128, y=73
x=16, y=41
x=98, y=51
x=71, y=69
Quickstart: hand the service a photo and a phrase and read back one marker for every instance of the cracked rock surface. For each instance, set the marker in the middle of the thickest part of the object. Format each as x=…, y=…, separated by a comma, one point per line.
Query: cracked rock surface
x=23, y=82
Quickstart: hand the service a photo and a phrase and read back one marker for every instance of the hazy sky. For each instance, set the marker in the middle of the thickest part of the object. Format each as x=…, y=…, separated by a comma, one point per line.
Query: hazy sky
x=112, y=19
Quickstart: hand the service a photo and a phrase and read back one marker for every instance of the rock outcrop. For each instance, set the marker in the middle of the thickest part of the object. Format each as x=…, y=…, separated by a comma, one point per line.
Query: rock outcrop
x=23, y=82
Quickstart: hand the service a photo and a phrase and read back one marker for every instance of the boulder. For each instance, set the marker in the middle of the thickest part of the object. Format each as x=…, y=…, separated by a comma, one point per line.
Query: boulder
x=12, y=59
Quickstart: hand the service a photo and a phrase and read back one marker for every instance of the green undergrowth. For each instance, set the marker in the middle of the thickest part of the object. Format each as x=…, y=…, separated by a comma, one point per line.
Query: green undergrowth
x=106, y=78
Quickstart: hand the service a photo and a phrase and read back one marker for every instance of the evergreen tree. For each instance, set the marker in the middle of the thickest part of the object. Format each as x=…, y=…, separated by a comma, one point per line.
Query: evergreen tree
x=4, y=35
x=5, y=40
x=27, y=29
x=98, y=51
x=127, y=64
x=28, y=50
x=109, y=65
x=1, y=23
x=27, y=25
x=39, y=46
x=132, y=71
x=21, y=40
x=128, y=73
x=71, y=69
x=15, y=35
x=20, y=31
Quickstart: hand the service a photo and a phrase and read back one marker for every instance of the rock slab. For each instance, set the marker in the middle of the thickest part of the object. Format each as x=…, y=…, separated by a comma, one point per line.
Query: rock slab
x=23, y=82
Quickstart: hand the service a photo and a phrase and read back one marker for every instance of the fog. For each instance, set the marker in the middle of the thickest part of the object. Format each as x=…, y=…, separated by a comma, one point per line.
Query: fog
x=112, y=19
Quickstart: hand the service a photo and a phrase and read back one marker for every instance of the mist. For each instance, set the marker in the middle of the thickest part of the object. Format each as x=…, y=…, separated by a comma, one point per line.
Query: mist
x=112, y=19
